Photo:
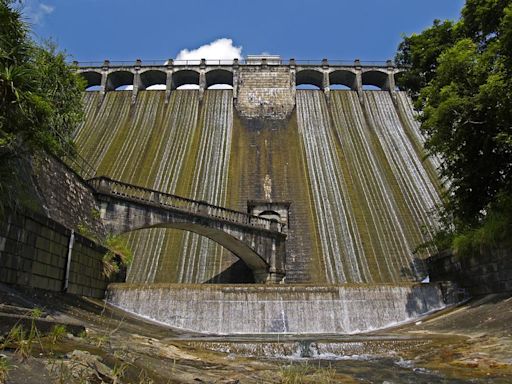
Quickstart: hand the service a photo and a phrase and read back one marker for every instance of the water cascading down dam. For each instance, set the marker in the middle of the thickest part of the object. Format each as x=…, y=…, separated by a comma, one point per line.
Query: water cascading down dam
x=343, y=170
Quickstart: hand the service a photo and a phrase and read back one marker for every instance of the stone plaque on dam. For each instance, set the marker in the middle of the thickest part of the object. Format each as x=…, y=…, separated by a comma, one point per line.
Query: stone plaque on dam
x=348, y=163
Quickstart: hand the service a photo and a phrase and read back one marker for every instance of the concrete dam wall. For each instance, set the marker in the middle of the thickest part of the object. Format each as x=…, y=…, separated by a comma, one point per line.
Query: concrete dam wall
x=263, y=309
x=350, y=164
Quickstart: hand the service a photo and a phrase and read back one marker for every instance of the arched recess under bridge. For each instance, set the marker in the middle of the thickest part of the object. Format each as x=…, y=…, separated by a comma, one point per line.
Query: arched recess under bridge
x=119, y=80
x=93, y=80
x=185, y=77
x=153, y=79
x=245, y=260
x=219, y=79
x=308, y=77
x=342, y=79
x=375, y=78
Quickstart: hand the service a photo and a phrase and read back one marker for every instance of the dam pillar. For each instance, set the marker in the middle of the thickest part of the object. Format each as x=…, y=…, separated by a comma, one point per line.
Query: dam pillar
x=390, y=83
x=293, y=74
x=168, y=79
x=136, y=80
x=202, y=78
x=359, y=78
x=104, y=76
x=236, y=69
x=325, y=79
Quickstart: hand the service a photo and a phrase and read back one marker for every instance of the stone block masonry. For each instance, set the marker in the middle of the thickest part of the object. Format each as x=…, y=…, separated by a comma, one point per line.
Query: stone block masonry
x=34, y=253
x=64, y=196
x=488, y=272
x=265, y=92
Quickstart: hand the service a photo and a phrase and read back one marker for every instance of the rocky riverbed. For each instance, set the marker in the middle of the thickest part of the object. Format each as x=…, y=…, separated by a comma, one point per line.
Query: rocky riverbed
x=101, y=344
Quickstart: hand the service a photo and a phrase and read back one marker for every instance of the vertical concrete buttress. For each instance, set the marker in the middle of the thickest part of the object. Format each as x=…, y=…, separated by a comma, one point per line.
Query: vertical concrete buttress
x=136, y=80
x=325, y=78
x=359, y=79
x=391, y=77
x=202, y=78
x=168, y=79
x=104, y=78
x=293, y=74
x=236, y=71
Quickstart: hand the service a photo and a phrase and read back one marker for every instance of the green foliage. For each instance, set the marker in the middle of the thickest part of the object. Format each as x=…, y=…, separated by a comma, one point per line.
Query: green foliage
x=460, y=77
x=57, y=334
x=494, y=231
x=118, y=255
x=40, y=96
x=5, y=367
x=305, y=373
x=419, y=53
x=85, y=230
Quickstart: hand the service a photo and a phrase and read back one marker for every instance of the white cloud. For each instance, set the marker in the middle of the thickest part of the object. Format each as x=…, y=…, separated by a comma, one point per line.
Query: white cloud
x=36, y=11
x=221, y=49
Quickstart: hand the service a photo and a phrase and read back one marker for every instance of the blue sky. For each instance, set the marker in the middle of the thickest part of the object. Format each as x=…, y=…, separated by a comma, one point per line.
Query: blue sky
x=92, y=30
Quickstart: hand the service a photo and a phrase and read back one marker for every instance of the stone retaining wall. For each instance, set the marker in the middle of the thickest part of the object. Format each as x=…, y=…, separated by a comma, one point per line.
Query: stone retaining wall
x=64, y=195
x=489, y=272
x=34, y=251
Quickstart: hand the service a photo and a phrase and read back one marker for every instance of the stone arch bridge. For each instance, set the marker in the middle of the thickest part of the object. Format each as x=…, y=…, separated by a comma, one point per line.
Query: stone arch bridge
x=259, y=242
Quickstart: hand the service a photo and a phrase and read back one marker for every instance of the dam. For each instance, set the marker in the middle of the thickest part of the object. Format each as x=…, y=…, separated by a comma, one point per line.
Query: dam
x=341, y=166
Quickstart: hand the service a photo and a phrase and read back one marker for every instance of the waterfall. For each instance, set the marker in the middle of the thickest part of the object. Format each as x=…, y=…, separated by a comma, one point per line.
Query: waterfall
x=372, y=193
x=203, y=258
x=339, y=237
x=256, y=309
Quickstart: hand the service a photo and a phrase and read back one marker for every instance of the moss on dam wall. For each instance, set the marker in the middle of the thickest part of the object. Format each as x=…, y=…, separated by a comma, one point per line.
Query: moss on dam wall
x=352, y=169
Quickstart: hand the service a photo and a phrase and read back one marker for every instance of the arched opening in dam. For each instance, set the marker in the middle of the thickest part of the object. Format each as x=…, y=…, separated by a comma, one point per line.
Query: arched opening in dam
x=376, y=78
x=119, y=81
x=185, y=79
x=153, y=80
x=342, y=80
x=219, y=79
x=309, y=79
x=93, y=80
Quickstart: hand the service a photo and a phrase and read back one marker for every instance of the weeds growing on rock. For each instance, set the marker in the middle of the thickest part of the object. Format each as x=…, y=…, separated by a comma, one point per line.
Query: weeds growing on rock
x=306, y=374
x=20, y=339
x=5, y=367
x=57, y=334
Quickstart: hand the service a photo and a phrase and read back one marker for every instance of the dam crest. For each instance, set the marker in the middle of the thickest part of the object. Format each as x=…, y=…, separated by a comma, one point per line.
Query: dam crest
x=262, y=86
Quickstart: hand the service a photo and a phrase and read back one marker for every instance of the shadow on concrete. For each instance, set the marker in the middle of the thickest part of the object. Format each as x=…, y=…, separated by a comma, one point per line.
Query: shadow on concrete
x=237, y=273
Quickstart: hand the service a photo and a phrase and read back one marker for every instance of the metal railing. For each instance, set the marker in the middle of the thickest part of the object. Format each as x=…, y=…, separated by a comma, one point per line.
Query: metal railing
x=243, y=61
x=78, y=164
x=107, y=186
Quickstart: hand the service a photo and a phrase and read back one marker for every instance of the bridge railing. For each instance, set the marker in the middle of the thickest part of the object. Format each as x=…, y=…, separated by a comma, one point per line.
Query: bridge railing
x=105, y=185
x=224, y=62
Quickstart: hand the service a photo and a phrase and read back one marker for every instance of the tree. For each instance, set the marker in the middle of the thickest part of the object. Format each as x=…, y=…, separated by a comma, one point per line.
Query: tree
x=460, y=77
x=40, y=97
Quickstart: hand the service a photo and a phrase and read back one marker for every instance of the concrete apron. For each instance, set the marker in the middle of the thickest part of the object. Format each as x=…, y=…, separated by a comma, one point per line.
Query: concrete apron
x=275, y=309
